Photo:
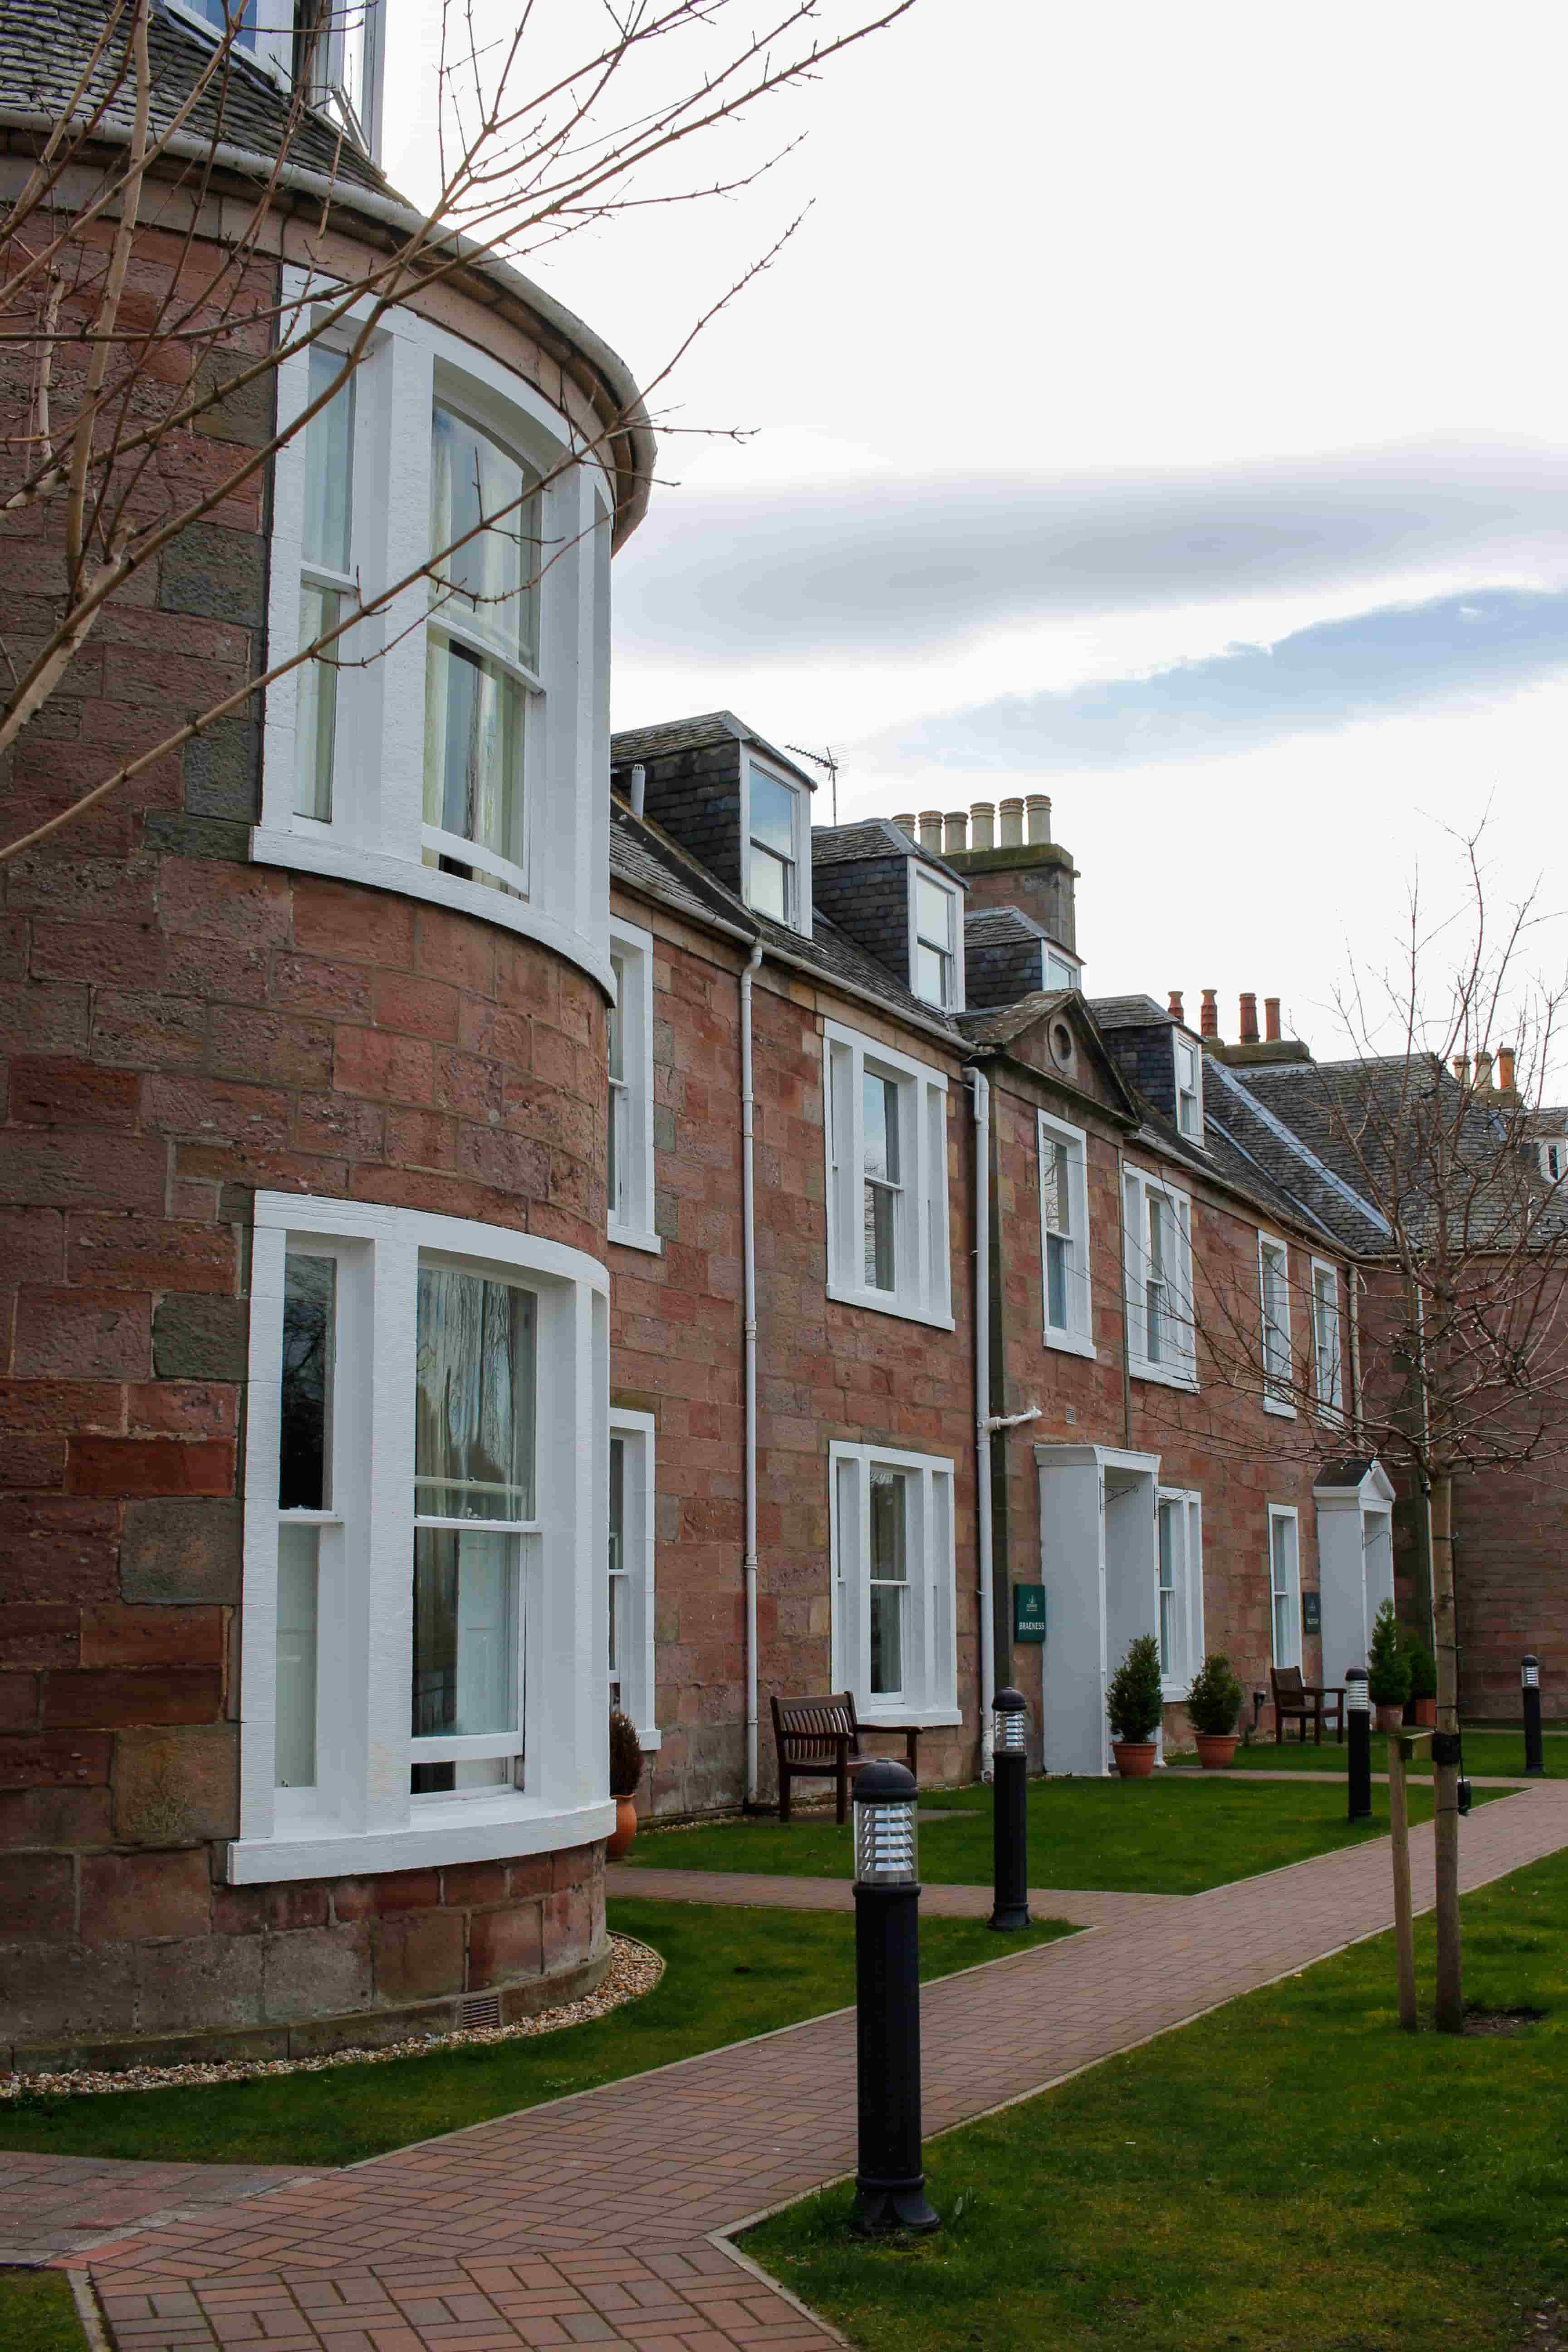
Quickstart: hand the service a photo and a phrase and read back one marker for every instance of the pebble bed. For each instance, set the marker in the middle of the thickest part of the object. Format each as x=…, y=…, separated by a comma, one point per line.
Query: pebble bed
x=635, y=1969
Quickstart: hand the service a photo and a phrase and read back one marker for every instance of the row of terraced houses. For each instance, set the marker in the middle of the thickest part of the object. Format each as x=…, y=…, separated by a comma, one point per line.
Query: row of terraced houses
x=501, y=1220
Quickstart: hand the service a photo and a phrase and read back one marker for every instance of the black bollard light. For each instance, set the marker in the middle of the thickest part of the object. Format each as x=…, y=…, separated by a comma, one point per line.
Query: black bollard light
x=1009, y=1811
x=890, y=2182
x=1358, y=1721
x=1529, y=1678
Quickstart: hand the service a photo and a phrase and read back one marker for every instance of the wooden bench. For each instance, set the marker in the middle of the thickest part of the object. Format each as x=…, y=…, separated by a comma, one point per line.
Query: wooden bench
x=1298, y=1702
x=819, y=1740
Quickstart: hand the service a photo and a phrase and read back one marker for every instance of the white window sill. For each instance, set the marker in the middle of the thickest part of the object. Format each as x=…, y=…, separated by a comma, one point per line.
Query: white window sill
x=1071, y=1344
x=318, y=850
x=1274, y=1405
x=635, y=1237
x=903, y=1714
x=881, y=1303
x=461, y=1829
x=1174, y=1694
x=651, y=1740
x=1161, y=1377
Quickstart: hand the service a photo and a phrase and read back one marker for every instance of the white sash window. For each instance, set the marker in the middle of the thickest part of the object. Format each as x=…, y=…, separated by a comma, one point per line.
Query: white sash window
x=1064, y=1236
x=894, y=1643
x=886, y=1122
x=1161, y=1337
x=1274, y=1297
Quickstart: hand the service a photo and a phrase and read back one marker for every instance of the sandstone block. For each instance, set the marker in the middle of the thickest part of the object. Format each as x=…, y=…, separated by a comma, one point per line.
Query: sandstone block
x=138, y=1896
x=196, y=1339
x=50, y=1990
x=504, y=1945
x=203, y=1982
x=37, y=1897
x=418, y=1955
x=176, y=1788
x=108, y=1698
x=316, y=1972
x=181, y=1551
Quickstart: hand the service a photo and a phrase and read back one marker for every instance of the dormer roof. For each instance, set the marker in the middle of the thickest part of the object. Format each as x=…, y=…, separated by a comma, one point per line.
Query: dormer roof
x=629, y=745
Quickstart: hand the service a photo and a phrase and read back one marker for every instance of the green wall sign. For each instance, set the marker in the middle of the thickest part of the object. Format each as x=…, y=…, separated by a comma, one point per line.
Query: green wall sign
x=1028, y=1613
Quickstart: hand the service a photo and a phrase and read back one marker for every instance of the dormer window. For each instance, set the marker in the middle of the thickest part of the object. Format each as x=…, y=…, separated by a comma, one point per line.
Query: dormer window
x=1189, y=1088
x=934, y=966
x=333, y=44
x=1059, y=972
x=777, y=822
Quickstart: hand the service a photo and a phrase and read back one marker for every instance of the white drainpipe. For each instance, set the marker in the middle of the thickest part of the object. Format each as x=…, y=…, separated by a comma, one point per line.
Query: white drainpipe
x=981, y=1091
x=749, y=1257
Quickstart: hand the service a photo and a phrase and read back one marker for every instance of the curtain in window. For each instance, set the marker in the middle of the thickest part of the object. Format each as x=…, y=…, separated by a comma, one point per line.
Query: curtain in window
x=474, y=1398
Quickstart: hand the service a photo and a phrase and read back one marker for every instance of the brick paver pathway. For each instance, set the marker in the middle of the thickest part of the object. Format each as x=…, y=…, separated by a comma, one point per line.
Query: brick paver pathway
x=65, y=2204
x=1085, y=1906
x=593, y=2220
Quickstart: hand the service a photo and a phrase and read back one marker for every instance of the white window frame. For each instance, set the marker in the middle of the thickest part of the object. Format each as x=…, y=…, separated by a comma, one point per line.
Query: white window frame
x=1076, y=1336
x=630, y=1218
x=1179, y=1370
x=1187, y=1508
x=376, y=835
x=361, y=1816
x=1291, y=1589
x=1330, y=1398
x=1556, y=1150
x=636, y=1433
x=1070, y=966
x=954, y=1001
x=273, y=55
x=929, y=1697
x=1277, y=1381
x=797, y=916
x=923, y=1291
x=1181, y=1041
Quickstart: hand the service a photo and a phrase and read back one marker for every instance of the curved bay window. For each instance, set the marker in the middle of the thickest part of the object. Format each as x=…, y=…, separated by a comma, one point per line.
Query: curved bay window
x=473, y=1504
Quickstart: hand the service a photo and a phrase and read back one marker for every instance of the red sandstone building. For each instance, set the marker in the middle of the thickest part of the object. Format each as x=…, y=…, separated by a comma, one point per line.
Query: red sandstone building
x=481, y=1248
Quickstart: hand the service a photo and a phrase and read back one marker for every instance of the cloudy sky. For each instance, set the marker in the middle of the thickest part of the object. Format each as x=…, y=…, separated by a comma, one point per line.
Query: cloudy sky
x=1162, y=409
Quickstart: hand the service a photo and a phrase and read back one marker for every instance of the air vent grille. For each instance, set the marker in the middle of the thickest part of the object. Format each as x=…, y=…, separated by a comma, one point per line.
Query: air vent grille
x=478, y=2008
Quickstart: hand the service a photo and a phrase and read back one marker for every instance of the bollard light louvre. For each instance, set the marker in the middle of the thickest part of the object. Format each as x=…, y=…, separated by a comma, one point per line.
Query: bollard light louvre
x=1009, y=1723
x=885, y=1845
x=1529, y=1671
x=1356, y=1699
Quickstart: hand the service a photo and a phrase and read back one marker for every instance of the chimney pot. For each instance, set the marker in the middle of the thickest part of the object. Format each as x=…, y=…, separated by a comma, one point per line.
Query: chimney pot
x=1505, y=1068
x=1248, y=1018
x=1271, y=1019
x=956, y=826
x=983, y=825
x=1483, y=1074
x=1037, y=808
x=1174, y=1005
x=1462, y=1068
x=931, y=830
x=1012, y=825
x=1208, y=1019
x=906, y=824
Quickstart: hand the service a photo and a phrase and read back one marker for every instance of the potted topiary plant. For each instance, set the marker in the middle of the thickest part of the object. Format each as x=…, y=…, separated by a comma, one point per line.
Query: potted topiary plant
x=1134, y=1704
x=1214, y=1703
x=1387, y=1671
x=1422, y=1684
x=626, y=1771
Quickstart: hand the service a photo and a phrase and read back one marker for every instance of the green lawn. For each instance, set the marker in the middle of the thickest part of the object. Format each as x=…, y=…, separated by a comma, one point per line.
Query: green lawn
x=728, y=1974
x=1157, y=1837
x=1485, y=1751
x=37, y=2313
x=1290, y=2174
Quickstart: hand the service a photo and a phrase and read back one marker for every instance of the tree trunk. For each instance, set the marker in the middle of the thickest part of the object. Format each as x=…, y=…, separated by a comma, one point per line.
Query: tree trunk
x=1450, y=2012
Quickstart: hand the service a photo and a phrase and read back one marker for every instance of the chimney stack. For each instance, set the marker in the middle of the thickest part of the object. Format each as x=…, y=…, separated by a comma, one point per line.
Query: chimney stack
x=982, y=823
x=1208, y=1019
x=956, y=829
x=1483, y=1074
x=1505, y=1068
x=1037, y=808
x=1012, y=825
x=1175, y=1006
x=1462, y=1068
x=1248, y=1019
x=906, y=824
x=931, y=830
x=1271, y=1020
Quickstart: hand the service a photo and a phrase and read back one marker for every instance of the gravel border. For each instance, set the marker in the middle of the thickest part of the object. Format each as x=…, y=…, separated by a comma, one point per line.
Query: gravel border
x=635, y=1969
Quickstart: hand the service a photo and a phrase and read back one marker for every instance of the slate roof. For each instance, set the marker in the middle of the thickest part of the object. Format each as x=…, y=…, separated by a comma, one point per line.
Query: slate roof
x=1128, y=1013
x=1002, y=1022
x=1287, y=1161
x=1000, y=926
x=631, y=745
x=642, y=855
x=877, y=836
x=47, y=45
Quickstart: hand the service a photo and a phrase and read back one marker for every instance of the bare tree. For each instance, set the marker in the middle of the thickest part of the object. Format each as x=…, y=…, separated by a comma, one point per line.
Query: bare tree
x=1459, y=1330
x=126, y=331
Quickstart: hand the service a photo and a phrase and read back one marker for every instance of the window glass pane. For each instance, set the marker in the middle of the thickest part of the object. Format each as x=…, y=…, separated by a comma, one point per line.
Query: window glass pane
x=488, y=579
x=889, y=1557
x=773, y=814
x=473, y=1446
x=217, y=16
x=880, y=1119
x=328, y=465
x=617, y=1558
x=768, y=889
x=930, y=974
x=1056, y=1169
x=464, y=1648
x=934, y=912
x=294, y=1765
x=1059, y=974
x=880, y=1260
x=316, y=705
x=889, y=1574
x=617, y=1056
x=1057, y=1248
x=304, y=1451
x=473, y=749
x=887, y=1639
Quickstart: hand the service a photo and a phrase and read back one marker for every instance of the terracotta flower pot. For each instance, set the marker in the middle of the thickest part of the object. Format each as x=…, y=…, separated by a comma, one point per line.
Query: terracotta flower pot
x=1217, y=1750
x=1389, y=1718
x=1134, y=1758
x=1423, y=1711
x=626, y=1828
